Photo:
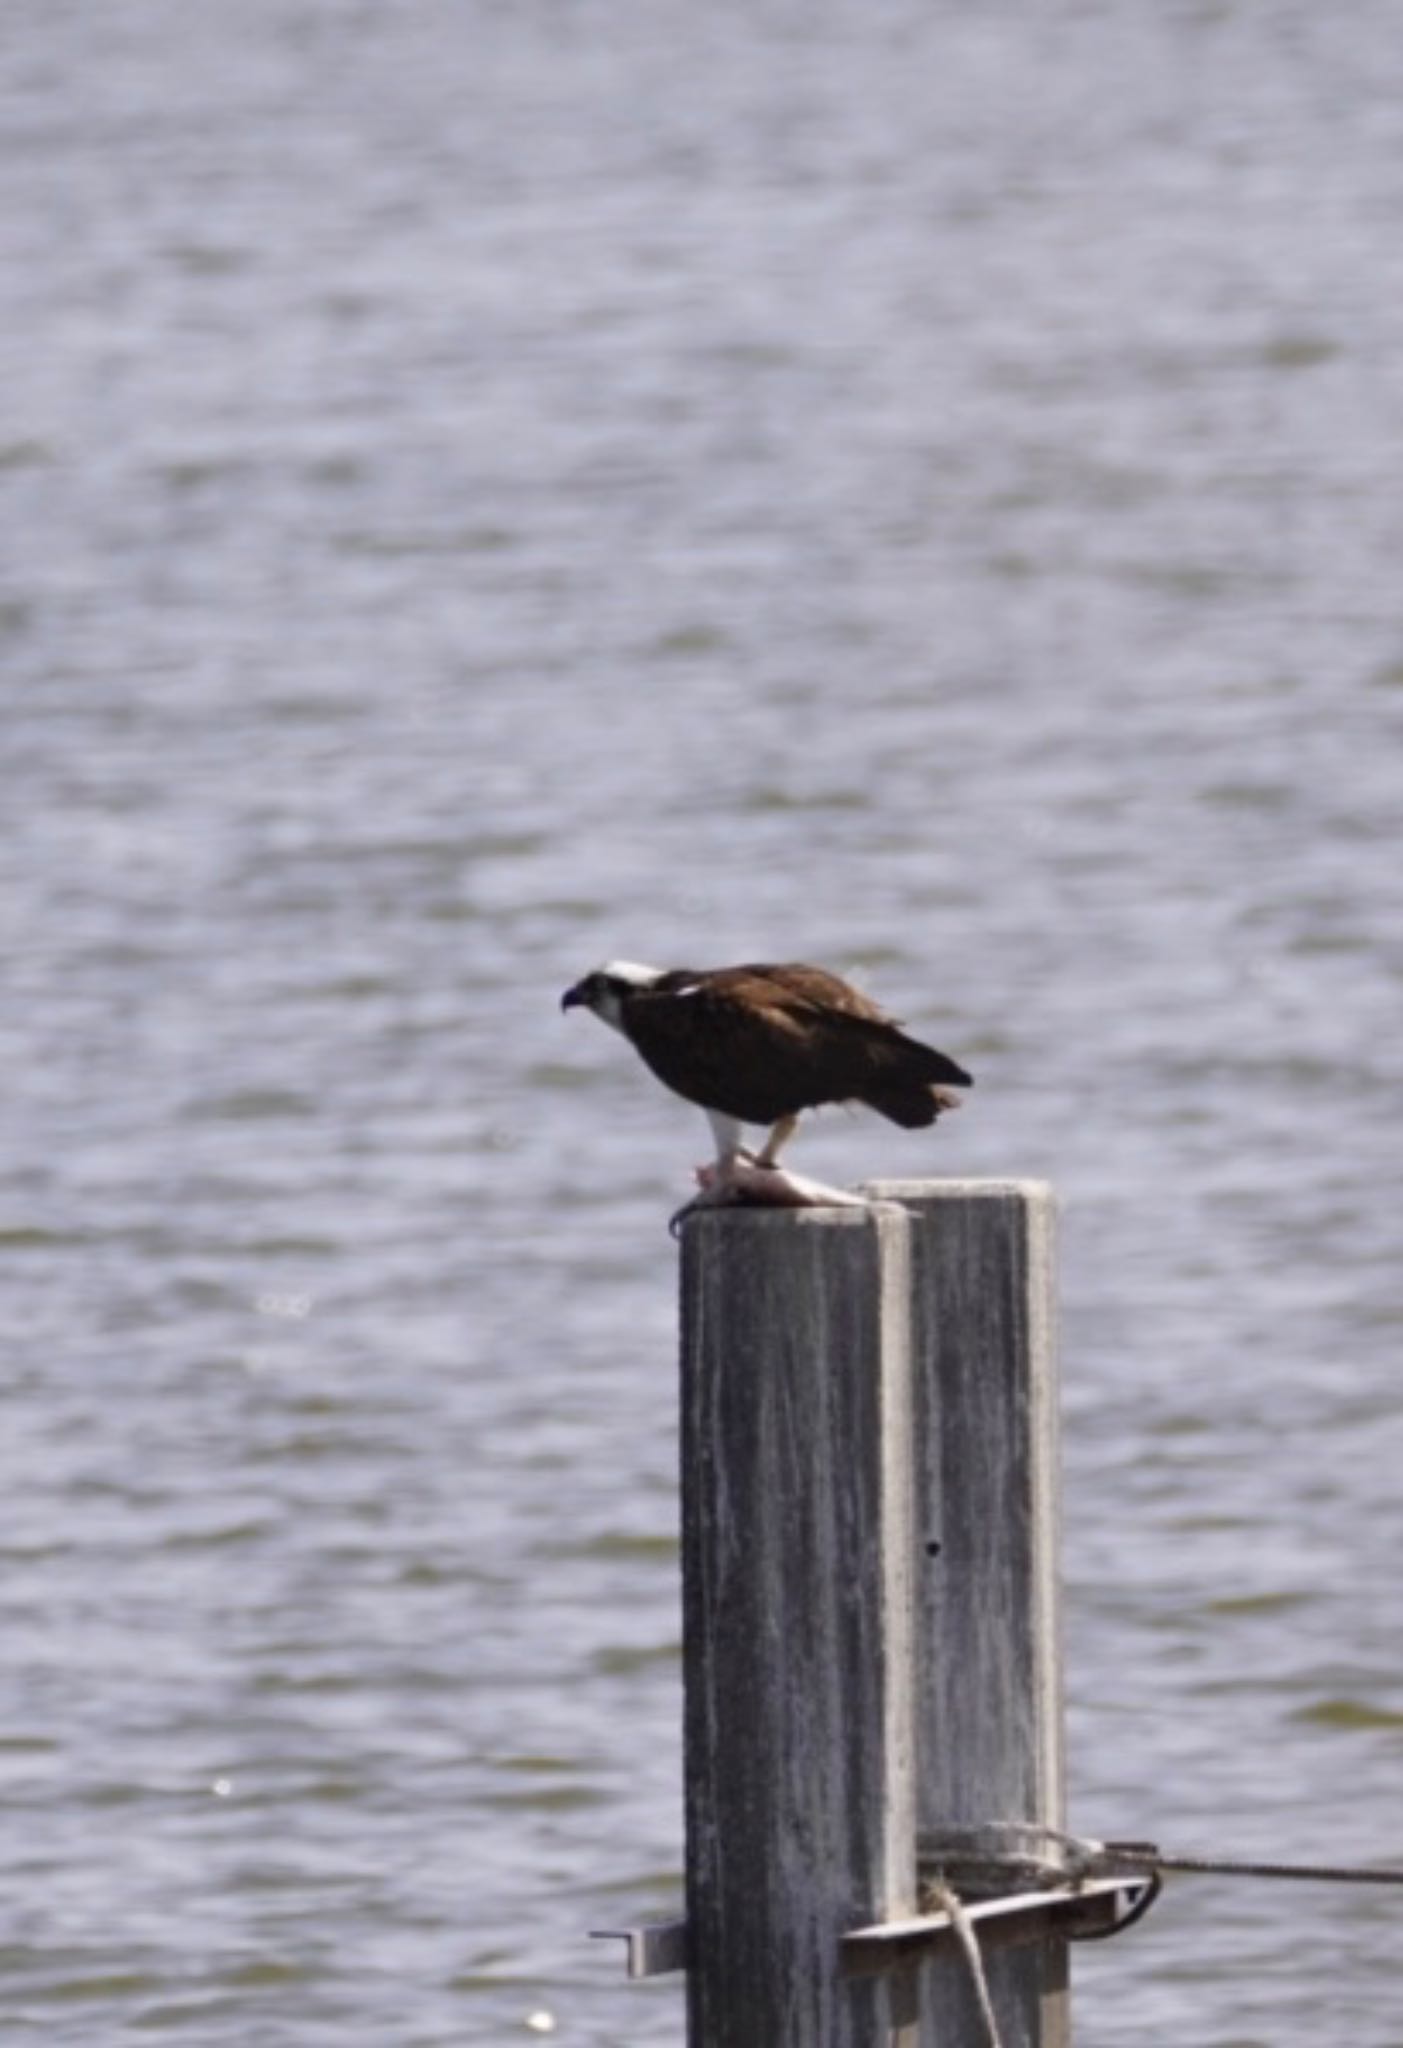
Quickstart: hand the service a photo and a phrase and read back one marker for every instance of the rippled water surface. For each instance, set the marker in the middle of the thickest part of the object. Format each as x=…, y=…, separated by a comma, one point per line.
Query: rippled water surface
x=492, y=487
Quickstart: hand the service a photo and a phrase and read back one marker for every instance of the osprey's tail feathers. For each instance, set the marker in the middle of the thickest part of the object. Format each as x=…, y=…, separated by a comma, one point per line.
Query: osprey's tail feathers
x=912, y=1107
x=938, y=1066
x=916, y=1086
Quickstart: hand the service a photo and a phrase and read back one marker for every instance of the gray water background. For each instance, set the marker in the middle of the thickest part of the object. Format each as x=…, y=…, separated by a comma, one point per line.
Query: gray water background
x=488, y=487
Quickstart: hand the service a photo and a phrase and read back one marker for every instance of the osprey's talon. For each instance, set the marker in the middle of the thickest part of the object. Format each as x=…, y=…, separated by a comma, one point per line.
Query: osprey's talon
x=711, y=1196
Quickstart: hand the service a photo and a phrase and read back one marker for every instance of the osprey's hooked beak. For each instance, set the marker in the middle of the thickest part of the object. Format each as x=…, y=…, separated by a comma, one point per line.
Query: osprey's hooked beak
x=574, y=998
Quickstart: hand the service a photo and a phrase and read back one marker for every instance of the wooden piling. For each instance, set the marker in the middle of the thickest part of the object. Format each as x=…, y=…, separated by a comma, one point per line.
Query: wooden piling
x=798, y=1556
x=870, y=1505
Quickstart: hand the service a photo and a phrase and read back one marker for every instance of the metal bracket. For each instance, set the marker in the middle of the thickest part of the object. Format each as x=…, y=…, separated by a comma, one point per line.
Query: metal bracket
x=654, y=1950
x=1061, y=1913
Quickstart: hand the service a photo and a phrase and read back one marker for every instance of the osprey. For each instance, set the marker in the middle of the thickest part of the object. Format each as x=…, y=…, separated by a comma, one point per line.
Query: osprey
x=761, y=1044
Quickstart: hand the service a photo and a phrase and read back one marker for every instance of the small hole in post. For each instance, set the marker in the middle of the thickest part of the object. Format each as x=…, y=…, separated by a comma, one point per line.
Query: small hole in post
x=933, y=1547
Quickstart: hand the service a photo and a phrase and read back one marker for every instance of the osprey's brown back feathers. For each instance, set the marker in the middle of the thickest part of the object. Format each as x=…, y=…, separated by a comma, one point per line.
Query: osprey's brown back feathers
x=761, y=1042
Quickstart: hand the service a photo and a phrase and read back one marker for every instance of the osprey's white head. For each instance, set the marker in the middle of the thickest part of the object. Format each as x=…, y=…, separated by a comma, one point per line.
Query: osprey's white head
x=607, y=988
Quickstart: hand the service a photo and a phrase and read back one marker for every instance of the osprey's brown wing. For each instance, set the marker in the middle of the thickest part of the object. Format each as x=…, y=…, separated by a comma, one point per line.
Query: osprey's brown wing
x=760, y=1043
x=806, y=987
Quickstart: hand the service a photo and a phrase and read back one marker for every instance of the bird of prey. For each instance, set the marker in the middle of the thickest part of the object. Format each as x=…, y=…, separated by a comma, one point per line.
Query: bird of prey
x=759, y=1045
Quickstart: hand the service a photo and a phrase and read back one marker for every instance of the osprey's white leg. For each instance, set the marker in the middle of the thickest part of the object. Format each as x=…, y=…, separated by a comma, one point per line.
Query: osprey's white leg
x=726, y=1130
x=781, y=1134
x=717, y=1178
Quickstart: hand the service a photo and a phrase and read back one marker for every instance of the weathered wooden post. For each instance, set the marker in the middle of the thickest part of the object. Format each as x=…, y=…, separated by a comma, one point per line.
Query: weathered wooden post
x=797, y=1557
x=989, y=1718
x=871, y=1628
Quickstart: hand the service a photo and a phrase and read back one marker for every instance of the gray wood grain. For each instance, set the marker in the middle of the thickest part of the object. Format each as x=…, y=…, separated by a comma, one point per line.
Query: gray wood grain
x=798, y=1555
x=988, y=1662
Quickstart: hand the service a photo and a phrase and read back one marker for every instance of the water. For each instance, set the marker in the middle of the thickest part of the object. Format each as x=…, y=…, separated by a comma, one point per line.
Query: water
x=495, y=487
